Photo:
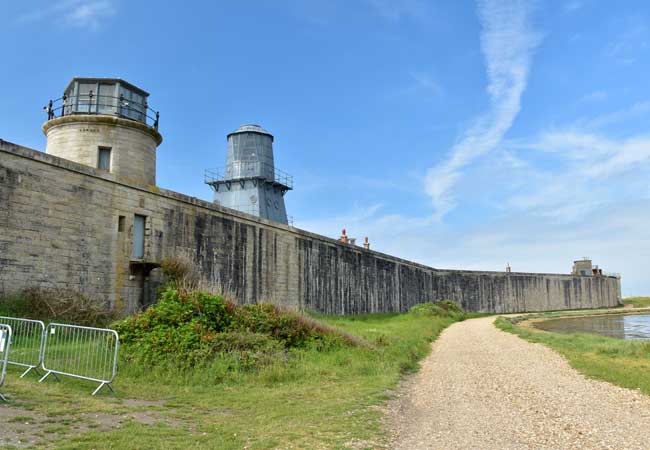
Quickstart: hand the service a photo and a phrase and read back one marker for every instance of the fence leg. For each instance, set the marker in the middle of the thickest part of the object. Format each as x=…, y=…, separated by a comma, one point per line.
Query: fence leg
x=101, y=386
x=49, y=372
x=3, y=398
x=29, y=369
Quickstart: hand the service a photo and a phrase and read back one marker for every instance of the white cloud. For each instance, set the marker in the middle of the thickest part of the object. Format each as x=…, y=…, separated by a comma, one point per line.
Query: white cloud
x=632, y=43
x=88, y=14
x=507, y=42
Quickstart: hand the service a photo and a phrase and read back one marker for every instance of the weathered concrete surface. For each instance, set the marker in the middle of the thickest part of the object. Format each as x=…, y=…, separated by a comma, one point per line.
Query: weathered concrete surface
x=59, y=227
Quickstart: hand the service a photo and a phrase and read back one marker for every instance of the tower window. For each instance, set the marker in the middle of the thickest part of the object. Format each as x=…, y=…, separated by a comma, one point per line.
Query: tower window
x=104, y=159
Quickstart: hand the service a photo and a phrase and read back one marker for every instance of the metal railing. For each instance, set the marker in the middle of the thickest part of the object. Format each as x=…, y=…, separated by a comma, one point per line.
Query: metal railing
x=245, y=170
x=27, y=343
x=102, y=104
x=612, y=274
x=5, y=346
x=81, y=352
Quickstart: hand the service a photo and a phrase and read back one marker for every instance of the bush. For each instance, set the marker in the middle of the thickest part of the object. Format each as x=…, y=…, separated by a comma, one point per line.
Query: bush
x=444, y=308
x=58, y=305
x=177, y=268
x=196, y=326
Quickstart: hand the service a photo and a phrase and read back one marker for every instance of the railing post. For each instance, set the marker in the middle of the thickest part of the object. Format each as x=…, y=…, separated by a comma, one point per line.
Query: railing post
x=155, y=124
x=90, y=100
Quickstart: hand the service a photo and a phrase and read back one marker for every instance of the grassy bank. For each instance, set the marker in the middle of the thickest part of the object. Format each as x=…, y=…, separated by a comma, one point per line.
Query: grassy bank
x=315, y=396
x=624, y=363
x=637, y=302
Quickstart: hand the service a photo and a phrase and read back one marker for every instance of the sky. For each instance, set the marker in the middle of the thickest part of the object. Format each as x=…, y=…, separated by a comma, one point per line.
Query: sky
x=459, y=134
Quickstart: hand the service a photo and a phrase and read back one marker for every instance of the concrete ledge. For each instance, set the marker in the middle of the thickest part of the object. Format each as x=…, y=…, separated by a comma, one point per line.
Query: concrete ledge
x=103, y=119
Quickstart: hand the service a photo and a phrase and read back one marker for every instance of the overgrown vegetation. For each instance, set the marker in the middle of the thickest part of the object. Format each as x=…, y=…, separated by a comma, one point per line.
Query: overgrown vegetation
x=637, y=302
x=56, y=305
x=190, y=329
x=444, y=308
x=622, y=362
x=218, y=375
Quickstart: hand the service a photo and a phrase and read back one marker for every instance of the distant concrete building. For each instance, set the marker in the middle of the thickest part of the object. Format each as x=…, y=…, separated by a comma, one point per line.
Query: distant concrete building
x=583, y=267
x=250, y=183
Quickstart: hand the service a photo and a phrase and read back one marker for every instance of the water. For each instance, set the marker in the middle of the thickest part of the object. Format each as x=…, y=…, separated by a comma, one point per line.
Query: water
x=635, y=326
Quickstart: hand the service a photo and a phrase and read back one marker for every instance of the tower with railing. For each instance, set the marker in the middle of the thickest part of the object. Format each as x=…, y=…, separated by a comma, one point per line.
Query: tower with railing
x=105, y=123
x=250, y=183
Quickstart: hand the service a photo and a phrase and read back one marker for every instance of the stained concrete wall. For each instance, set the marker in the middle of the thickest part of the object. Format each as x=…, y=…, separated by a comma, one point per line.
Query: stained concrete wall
x=59, y=228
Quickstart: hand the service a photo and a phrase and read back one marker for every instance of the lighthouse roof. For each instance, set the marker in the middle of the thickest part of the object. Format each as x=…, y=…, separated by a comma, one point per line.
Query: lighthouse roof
x=251, y=128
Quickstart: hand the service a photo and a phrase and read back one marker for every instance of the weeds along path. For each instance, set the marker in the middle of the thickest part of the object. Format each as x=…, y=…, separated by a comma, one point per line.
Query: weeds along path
x=482, y=388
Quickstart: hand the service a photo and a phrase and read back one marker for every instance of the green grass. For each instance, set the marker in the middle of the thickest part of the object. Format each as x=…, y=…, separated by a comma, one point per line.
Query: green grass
x=621, y=362
x=637, y=302
x=315, y=399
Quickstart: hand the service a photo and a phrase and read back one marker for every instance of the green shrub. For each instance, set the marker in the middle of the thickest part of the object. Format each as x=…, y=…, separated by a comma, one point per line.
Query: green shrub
x=444, y=308
x=194, y=327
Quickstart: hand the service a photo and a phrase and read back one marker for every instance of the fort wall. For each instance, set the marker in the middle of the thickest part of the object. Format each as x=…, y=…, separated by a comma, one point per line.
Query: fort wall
x=66, y=225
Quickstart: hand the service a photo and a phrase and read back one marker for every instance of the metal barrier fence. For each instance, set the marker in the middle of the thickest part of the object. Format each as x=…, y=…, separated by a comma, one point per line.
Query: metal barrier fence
x=5, y=346
x=26, y=343
x=81, y=352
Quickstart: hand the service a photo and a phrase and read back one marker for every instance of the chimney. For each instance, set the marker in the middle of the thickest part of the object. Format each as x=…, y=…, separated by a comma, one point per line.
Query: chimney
x=344, y=237
x=366, y=244
x=508, y=268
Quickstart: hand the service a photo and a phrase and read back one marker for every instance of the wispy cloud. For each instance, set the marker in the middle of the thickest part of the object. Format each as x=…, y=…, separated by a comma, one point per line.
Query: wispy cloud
x=401, y=9
x=572, y=6
x=88, y=14
x=632, y=43
x=638, y=109
x=507, y=42
x=426, y=83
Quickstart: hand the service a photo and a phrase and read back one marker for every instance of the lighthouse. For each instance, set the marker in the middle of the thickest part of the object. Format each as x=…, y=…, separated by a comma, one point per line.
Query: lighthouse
x=250, y=183
x=107, y=124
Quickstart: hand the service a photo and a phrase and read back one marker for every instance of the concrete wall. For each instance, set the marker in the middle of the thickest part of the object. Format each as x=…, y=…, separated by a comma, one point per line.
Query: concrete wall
x=59, y=228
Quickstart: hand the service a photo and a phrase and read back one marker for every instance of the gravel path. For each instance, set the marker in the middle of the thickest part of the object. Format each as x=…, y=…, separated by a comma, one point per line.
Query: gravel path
x=482, y=388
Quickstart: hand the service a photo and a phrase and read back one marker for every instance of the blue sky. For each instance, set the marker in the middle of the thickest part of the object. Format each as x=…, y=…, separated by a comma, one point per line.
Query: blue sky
x=459, y=134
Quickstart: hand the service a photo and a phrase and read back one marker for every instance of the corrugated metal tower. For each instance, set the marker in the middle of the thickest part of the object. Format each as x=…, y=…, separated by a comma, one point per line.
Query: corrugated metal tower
x=250, y=183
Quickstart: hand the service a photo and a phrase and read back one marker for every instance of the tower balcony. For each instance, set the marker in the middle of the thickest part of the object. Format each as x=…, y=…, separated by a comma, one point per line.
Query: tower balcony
x=240, y=171
x=104, y=96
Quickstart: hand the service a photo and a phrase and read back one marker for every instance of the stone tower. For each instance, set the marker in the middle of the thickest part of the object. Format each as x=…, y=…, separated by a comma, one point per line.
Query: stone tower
x=107, y=124
x=250, y=183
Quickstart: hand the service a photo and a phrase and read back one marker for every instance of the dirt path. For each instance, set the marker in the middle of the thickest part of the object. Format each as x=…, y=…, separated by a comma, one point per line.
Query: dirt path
x=482, y=388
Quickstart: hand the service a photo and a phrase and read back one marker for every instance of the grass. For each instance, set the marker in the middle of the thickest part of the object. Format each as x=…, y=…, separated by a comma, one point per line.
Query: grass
x=625, y=363
x=315, y=399
x=637, y=302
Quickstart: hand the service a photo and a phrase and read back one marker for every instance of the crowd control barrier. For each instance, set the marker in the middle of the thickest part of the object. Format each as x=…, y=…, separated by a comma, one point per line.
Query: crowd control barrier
x=26, y=343
x=81, y=352
x=5, y=346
